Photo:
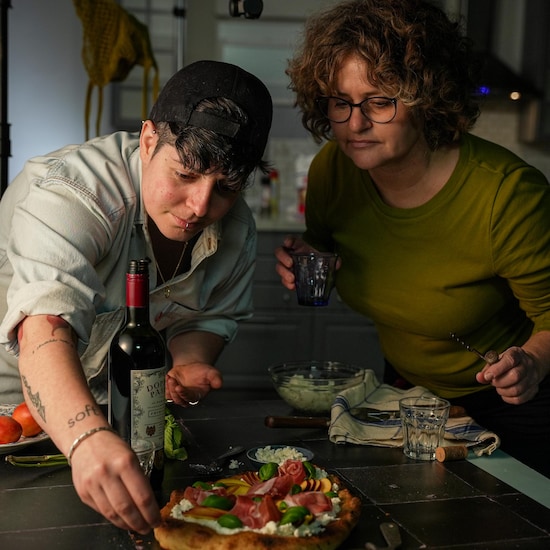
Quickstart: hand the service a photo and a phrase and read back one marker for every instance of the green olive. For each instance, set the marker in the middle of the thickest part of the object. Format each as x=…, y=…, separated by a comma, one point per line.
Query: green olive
x=294, y=514
x=282, y=505
x=216, y=501
x=230, y=521
x=267, y=471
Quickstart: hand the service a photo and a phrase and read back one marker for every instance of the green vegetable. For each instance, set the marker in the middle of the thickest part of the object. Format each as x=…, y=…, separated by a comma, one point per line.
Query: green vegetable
x=331, y=494
x=230, y=521
x=310, y=469
x=216, y=501
x=295, y=489
x=173, y=438
x=173, y=448
x=267, y=471
x=37, y=461
x=295, y=515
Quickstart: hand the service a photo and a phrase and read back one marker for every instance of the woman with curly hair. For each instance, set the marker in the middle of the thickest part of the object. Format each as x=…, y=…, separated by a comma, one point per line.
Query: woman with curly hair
x=438, y=231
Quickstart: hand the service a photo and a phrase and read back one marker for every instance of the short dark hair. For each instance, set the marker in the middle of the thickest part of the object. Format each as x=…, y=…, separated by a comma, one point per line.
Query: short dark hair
x=202, y=150
x=413, y=51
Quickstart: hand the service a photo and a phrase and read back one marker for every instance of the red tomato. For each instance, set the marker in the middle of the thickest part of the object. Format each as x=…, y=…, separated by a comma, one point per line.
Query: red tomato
x=22, y=415
x=10, y=430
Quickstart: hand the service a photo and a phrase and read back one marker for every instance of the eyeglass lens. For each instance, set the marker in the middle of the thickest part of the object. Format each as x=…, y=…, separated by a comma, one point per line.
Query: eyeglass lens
x=377, y=109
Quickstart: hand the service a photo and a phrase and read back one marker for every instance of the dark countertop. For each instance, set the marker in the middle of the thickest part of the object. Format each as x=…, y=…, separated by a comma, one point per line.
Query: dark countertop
x=455, y=505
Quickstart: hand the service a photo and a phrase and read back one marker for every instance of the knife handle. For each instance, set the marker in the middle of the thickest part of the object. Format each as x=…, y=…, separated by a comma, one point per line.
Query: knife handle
x=297, y=422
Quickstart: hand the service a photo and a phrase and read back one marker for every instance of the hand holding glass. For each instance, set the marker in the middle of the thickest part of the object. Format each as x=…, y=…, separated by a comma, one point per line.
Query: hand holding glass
x=314, y=277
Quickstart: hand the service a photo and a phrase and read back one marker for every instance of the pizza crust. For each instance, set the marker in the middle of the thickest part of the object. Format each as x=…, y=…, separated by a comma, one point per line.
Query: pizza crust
x=175, y=534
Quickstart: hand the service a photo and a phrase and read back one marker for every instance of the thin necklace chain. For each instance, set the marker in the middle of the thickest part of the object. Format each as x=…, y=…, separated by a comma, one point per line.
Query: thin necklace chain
x=167, y=290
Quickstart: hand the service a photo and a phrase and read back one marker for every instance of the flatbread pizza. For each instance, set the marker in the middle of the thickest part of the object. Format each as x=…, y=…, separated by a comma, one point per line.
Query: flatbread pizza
x=292, y=506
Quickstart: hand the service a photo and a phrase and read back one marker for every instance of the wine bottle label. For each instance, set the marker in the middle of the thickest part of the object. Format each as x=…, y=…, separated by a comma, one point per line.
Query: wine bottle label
x=148, y=404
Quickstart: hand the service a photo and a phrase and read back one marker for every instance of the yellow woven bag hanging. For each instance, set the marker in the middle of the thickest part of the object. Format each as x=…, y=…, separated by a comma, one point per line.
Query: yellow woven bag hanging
x=114, y=41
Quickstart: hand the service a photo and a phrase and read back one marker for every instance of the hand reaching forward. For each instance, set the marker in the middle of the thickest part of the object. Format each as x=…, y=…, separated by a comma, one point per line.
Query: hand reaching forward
x=188, y=384
x=108, y=478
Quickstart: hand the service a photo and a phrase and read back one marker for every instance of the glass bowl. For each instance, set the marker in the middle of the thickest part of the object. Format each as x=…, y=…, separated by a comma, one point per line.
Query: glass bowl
x=312, y=386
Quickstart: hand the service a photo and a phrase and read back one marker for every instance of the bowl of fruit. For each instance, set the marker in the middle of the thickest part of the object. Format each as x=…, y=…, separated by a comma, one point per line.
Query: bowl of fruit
x=18, y=428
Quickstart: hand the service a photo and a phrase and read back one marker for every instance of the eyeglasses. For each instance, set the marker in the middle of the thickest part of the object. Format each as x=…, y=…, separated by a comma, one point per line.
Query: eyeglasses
x=377, y=109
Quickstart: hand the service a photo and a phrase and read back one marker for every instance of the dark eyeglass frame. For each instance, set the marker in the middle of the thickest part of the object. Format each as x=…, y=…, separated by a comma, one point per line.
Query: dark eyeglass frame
x=320, y=101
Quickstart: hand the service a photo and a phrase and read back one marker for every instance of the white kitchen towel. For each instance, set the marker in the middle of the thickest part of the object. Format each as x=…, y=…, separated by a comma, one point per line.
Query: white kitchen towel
x=386, y=431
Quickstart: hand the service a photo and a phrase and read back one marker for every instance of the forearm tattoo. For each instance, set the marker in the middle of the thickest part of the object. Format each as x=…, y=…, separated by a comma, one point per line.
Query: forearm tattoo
x=34, y=398
x=57, y=323
x=90, y=409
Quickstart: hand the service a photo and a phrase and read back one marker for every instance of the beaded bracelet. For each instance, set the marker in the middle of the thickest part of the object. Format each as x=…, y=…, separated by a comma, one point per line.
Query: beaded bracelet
x=84, y=436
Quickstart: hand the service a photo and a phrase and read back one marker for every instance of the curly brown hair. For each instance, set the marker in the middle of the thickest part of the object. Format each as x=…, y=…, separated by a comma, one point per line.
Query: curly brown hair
x=413, y=51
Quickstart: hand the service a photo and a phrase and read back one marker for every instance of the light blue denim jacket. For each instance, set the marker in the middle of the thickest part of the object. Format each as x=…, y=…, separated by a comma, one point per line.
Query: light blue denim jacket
x=69, y=224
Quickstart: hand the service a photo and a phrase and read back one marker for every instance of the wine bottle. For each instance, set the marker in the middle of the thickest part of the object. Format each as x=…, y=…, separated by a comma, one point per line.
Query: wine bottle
x=137, y=371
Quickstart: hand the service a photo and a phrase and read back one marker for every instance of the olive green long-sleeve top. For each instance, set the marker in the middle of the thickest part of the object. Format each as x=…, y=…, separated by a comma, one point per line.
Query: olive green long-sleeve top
x=473, y=260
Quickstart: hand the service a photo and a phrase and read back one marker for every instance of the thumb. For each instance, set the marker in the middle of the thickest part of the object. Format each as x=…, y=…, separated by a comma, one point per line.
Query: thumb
x=215, y=378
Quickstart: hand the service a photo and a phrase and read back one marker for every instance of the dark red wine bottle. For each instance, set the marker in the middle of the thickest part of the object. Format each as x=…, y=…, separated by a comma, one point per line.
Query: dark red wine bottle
x=137, y=371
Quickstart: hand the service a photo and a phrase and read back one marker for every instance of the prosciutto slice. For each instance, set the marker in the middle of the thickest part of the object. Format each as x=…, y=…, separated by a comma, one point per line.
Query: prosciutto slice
x=196, y=495
x=277, y=487
x=255, y=513
x=315, y=501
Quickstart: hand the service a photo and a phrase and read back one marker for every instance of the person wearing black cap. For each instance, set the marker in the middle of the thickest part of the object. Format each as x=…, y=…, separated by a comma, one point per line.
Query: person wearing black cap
x=69, y=224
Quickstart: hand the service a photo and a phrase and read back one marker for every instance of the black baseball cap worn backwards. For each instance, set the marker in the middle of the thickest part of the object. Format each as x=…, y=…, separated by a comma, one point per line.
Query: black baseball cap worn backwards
x=210, y=79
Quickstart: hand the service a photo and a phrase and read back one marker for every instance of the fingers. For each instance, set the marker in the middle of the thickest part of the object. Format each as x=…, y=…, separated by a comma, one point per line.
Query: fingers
x=494, y=373
x=182, y=395
x=187, y=397
x=284, y=262
x=290, y=241
x=214, y=376
x=119, y=491
x=283, y=256
x=127, y=510
x=145, y=513
x=513, y=377
x=188, y=384
x=286, y=274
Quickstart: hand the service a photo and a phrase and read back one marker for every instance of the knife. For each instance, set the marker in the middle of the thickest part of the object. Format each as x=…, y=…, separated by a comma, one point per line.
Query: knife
x=361, y=413
x=297, y=422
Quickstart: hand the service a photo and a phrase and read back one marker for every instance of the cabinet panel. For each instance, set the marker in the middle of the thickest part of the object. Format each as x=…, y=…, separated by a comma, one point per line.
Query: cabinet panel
x=273, y=296
x=534, y=124
x=348, y=338
x=265, y=340
x=281, y=330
